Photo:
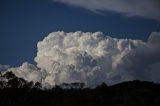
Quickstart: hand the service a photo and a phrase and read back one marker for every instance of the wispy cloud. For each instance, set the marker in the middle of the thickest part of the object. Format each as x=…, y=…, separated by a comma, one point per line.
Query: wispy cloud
x=149, y=9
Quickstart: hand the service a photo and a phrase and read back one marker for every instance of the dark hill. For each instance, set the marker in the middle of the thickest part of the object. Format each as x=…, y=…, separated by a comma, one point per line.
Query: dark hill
x=18, y=92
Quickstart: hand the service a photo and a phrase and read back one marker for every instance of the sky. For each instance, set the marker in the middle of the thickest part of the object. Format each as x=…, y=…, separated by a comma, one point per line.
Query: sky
x=25, y=22
x=89, y=41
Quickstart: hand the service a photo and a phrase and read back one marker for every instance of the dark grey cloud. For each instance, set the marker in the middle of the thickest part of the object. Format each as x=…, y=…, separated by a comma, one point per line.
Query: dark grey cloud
x=142, y=8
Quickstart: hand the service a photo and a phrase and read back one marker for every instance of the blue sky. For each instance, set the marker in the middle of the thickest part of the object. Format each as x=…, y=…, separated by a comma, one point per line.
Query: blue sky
x=25, y=22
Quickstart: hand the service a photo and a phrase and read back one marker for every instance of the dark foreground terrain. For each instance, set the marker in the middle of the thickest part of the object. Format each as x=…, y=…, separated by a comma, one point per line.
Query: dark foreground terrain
x=18, y=92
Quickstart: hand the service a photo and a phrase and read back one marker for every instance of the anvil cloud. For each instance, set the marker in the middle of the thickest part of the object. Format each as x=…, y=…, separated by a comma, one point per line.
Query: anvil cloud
x=149, y=9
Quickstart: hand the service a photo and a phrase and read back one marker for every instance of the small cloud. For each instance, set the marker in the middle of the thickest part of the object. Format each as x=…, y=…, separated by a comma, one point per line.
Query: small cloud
x=4, y=67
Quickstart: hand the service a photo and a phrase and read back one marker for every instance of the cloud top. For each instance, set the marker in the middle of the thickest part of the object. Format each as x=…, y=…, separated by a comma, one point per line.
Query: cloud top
x=141, y=8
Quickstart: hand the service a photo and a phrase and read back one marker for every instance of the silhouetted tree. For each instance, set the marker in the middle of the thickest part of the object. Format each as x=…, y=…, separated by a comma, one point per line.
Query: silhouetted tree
x=37, y=85
x=9, y=75
x=18, y=92
x=77, y=85
x=103, y=86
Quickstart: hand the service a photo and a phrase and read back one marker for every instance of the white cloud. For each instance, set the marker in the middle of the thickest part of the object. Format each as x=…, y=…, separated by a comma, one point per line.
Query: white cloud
x=29, y=72
x=87, y=57
x=143, y=8
x=92, y=58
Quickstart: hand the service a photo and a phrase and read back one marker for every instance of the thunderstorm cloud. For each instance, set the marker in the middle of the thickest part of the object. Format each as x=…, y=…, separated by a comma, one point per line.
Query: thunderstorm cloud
x=92, y=58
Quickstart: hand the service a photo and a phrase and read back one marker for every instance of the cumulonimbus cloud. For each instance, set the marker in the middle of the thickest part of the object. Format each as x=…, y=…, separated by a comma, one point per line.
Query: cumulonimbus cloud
x=143, y=8
x=92, y=58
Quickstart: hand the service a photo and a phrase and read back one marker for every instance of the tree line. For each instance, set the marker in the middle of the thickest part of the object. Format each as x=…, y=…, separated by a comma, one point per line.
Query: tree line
x=16, y=91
